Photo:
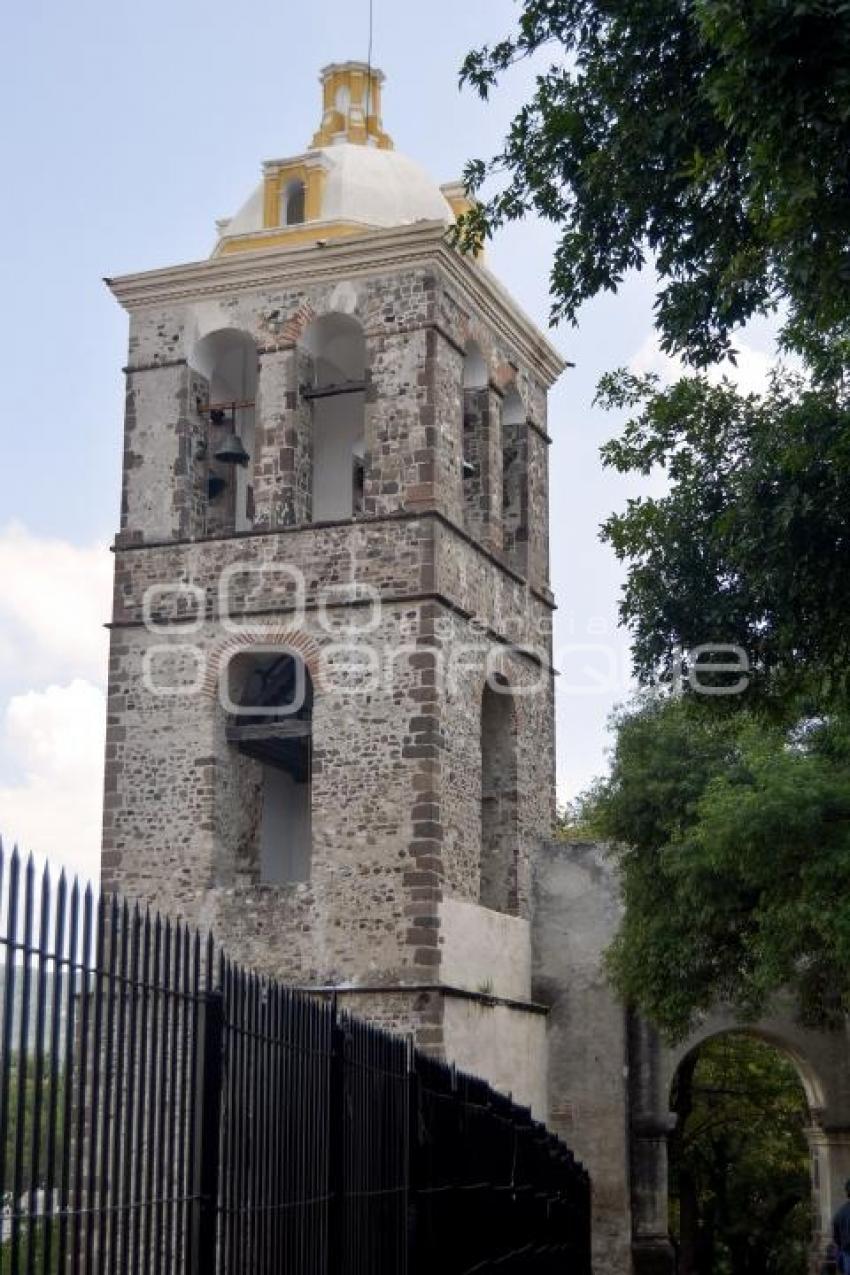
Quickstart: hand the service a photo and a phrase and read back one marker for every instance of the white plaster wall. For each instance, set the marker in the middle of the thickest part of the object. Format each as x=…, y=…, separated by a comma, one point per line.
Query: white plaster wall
x=485, y=951
x=504, y=1045
x=576, y=912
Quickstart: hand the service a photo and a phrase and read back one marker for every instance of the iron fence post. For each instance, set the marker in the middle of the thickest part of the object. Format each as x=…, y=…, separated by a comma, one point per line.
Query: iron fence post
x=337, y=1147
x=202, y=1238
x=413, y=1167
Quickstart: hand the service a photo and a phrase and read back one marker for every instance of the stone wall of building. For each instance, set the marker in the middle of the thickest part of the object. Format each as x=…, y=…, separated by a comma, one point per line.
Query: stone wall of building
x=416, y=330
x=401, y=615
x=396, y=742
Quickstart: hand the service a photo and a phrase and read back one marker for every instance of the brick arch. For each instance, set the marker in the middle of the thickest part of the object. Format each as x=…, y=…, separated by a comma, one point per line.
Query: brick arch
x=294, y=640
x=297, y=324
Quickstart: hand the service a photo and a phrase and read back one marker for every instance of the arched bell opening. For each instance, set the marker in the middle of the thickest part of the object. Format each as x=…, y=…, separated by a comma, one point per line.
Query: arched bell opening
x=499, y=814
x=269, y=698
x=336, y=346
x=227, y=362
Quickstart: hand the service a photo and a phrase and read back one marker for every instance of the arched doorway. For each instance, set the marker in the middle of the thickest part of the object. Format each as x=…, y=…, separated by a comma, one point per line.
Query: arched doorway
x=739, y=1163
x=818, y=1059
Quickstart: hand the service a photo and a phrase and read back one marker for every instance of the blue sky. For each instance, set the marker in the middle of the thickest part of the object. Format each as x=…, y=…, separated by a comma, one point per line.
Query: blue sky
x=129, y=128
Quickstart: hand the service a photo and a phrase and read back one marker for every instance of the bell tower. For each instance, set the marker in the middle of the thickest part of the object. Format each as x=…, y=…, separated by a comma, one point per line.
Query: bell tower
x=330, y=724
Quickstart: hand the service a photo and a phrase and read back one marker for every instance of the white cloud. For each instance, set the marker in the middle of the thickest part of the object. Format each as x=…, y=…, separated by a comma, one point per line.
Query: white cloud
x=56, y=737
x=750, y=374
x=55, y=598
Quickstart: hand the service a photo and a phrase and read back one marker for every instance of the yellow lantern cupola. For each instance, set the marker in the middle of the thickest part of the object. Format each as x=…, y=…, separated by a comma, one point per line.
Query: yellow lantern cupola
x=352, y=106
x=352, y=179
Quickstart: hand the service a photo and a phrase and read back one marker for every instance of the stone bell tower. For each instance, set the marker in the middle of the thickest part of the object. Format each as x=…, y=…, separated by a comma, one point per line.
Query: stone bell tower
x=330, y=722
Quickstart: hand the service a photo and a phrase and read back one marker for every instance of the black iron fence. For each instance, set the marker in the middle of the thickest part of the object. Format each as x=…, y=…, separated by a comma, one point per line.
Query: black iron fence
x=165, y=1112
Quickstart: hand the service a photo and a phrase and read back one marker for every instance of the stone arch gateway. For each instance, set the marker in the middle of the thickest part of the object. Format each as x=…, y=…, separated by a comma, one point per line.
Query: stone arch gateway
x=610, y=1075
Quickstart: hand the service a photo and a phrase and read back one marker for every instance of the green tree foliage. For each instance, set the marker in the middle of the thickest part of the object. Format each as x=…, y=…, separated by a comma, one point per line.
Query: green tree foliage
x=731, y=813
x=749, y=545
x=22, y=1110
x=733, y=836
x=740, y=1190
x=709, y=137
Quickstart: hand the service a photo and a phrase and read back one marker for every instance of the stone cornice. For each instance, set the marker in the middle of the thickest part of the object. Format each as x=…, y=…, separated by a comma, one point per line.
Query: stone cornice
x=363, y=523
x=373, y=252
x=449, y=990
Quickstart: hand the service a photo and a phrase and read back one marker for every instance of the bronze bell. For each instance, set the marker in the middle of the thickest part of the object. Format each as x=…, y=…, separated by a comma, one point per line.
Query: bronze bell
x=232, y=450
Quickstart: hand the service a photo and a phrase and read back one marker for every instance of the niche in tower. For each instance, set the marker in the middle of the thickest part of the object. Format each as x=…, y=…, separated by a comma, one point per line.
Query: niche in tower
x=337, y=348
x=499, y=830
x=271, y=722
x=476, y=429
x=515, y=482
x=227, y=359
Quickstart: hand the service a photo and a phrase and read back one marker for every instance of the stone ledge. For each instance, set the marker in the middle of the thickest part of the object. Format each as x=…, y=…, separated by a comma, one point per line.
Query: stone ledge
x=445, y=989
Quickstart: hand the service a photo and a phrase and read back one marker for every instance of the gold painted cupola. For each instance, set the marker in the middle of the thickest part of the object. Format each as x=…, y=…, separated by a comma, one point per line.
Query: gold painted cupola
x=351, y=180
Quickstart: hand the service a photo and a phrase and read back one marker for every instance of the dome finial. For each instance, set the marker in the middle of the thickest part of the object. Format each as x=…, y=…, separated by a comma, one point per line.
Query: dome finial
x=351, y=95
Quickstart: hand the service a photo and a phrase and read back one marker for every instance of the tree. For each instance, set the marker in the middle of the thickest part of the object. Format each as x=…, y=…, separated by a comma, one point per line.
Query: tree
x=750, y=544
x=733, y=840
x=740, y=1188
x=731, y=813
x=711, y=138
x=706, y=136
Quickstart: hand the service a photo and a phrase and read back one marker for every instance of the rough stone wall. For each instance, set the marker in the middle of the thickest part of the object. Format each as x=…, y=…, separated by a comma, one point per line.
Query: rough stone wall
x=154, y=447
x=199, y=463
x=482, y=489
x=418, y=1014
x=444, y=371
x=527, y=485
x=515, y=494
x=396, y=782
x=475, y=459
x=416, y=332
x=184, y=813
x=537, y=504
x=275, y=434
x=437, y=717
x=470, y=656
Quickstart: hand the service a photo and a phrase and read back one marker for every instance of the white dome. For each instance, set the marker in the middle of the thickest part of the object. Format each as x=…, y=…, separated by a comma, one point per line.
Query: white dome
x=363, y=185
x=380, y=188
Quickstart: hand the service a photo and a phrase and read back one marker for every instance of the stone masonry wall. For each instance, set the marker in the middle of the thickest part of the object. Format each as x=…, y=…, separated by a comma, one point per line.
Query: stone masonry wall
x=396, y=786
x=416, y=332
x=400, y=616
